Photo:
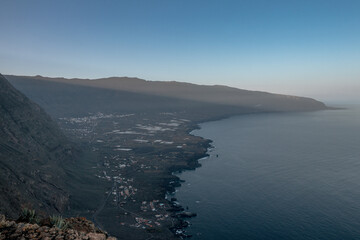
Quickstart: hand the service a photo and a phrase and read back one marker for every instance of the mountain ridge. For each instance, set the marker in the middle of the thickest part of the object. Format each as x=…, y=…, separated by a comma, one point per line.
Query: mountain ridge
x=124, y=78
x=210, y=94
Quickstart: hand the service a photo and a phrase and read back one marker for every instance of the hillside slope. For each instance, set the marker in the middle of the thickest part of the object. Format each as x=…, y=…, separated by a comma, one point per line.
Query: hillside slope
x=32, y=150
x=157, y=96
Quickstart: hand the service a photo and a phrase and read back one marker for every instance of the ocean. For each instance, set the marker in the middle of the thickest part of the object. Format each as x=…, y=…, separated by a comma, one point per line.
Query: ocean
x=277, y=176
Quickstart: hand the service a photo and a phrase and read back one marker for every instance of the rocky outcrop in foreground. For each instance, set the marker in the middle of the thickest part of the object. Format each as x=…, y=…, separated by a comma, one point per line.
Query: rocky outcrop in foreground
x=77, y=228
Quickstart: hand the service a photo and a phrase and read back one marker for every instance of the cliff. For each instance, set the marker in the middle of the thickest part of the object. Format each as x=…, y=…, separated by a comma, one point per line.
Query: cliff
x=32, y=152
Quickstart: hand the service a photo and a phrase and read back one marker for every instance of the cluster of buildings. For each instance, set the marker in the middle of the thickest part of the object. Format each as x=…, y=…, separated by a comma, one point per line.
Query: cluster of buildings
x=152, y=206
x=94, y=117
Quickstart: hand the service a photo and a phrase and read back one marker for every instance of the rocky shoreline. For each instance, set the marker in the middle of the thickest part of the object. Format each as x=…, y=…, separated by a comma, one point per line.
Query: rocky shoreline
x=178, y=211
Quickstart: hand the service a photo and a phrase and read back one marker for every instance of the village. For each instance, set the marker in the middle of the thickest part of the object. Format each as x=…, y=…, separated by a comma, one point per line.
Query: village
x=134, y=156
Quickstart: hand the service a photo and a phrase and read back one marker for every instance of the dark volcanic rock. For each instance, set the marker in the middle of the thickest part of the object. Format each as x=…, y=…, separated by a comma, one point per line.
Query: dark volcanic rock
x=78, y=228
x=186, y=215
x=32, y=150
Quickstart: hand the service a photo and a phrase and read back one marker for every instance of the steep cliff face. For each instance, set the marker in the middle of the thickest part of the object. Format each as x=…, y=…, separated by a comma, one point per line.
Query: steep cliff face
x=32, y=151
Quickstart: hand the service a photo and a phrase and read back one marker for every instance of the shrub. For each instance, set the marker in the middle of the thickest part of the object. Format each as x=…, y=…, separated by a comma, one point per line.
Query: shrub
x=59, y=222
x=28, y=215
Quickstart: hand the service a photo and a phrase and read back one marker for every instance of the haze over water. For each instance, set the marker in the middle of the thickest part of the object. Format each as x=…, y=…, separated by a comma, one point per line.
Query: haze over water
x=278, y=176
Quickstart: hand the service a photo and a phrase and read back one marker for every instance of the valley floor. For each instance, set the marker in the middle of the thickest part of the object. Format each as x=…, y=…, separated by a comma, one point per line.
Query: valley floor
x=131, y=160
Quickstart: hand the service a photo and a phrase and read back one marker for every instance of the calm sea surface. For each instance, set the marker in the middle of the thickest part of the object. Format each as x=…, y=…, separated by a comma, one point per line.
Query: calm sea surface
x=278, y=176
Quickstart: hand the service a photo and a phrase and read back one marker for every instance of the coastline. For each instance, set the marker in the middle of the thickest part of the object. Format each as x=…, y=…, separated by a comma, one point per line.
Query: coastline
x=204, y=190
x=194, y=163
x=160, y=145
x=179, y=214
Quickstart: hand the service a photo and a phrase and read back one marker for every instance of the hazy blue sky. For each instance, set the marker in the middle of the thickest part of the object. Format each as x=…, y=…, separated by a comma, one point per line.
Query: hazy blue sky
x=304, y=47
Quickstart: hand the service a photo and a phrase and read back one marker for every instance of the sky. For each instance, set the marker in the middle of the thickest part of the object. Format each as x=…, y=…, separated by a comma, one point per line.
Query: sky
x=304, y=47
